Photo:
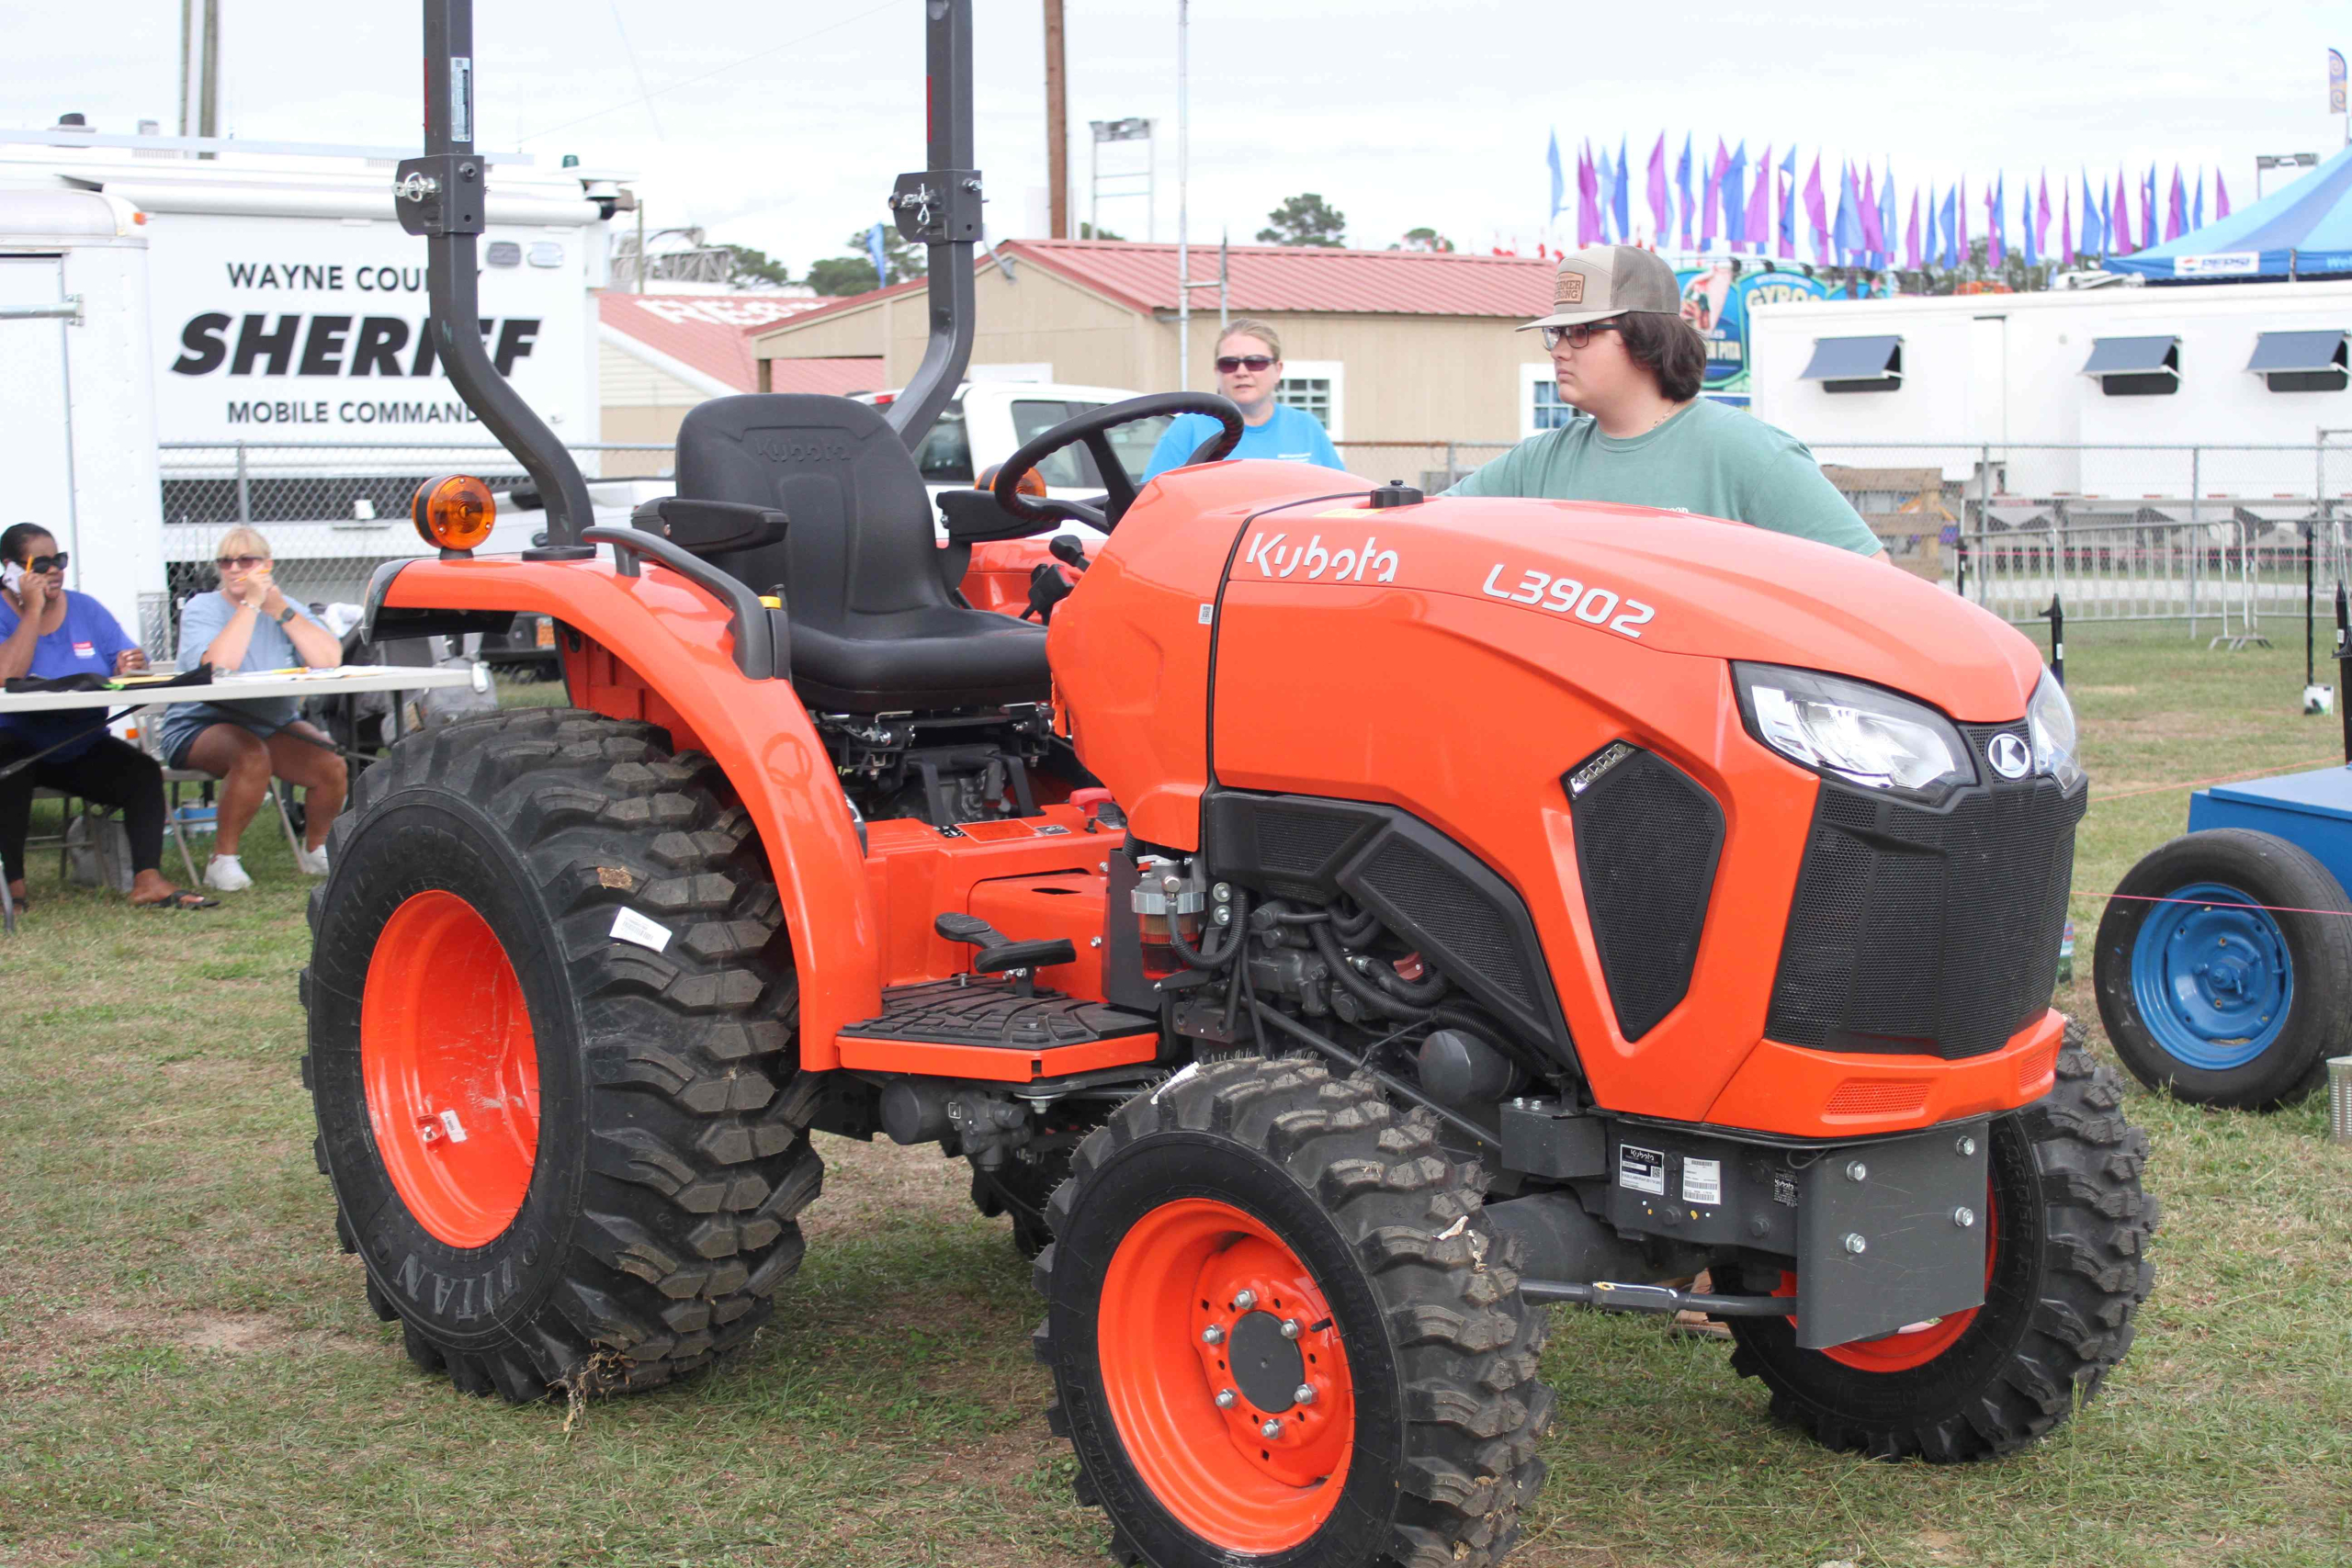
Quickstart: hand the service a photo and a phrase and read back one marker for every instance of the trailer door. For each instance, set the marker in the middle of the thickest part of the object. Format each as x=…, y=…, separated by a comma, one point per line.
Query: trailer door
x=35, y=403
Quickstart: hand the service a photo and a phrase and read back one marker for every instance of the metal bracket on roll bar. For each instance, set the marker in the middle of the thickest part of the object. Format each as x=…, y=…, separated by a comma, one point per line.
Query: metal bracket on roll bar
x=762, y=647
x=938, y=207
x=440, y=193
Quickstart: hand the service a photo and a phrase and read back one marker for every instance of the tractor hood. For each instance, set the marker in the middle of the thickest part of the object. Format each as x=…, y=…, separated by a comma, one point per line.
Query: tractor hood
x=1667, y=579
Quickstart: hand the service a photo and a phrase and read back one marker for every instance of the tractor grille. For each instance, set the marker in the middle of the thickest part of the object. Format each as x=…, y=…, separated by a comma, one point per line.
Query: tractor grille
x=1648, y=839
x=1920, y=931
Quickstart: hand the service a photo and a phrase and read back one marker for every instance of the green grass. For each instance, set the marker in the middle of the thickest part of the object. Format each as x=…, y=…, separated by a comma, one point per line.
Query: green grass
x=188, y=1373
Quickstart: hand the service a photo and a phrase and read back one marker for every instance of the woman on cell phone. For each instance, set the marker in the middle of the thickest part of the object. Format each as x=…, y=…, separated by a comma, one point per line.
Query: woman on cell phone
x=48, y=633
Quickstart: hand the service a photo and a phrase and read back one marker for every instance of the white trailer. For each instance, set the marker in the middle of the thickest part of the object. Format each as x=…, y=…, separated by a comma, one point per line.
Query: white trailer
x=284, y=364
x=77, y=405
x=2214, y=366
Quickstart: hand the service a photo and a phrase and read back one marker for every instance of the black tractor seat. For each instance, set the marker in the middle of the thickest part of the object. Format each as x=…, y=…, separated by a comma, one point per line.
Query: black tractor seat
x=872, y=627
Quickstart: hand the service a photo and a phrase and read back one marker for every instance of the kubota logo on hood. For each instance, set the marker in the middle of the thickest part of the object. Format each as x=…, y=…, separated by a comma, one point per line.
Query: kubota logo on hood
x=1349, y=563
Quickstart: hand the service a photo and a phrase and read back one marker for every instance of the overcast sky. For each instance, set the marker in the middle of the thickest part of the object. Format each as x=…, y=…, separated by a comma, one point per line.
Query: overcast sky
x=781, y=125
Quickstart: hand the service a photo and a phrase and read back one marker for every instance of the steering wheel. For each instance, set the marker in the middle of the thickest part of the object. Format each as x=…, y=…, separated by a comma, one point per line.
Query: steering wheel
x=1095, y=429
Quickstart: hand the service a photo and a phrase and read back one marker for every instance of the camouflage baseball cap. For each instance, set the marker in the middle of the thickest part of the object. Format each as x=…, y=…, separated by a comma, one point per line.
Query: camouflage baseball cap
x=1599, y=281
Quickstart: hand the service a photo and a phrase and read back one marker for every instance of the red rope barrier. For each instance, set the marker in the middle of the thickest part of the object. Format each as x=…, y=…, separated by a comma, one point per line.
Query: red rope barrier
x=2219, y=904
x=2200, y=784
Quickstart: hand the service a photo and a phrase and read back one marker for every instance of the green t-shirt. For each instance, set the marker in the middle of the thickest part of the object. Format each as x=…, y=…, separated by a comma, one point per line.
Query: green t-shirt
x=1709, y=459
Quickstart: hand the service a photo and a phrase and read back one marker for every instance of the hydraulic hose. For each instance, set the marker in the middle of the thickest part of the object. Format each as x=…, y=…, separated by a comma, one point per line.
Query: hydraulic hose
x=1236, y=936
x=1355, y=985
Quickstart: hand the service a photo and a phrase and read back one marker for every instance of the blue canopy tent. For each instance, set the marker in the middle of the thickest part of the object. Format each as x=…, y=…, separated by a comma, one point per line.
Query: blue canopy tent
x=2303, y=231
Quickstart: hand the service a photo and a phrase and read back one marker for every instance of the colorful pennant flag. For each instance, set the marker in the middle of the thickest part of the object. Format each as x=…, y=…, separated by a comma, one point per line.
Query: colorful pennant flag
x=1559, y=179
x=1817, y=211
x=1788, y=198
x=1660, y=208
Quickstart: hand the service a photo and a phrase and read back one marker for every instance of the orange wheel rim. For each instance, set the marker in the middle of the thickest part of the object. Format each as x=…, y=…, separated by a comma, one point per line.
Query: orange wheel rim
x=1206, y=1315
x=1918, y=1344
x=451, y=1070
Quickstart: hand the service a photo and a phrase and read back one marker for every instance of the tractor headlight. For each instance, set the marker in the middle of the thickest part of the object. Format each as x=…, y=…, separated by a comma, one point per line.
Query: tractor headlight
x=1864, y=734
x=2051, y=718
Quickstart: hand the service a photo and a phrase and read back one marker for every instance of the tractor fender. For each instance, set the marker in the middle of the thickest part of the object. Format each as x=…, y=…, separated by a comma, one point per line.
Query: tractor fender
x=656, y=647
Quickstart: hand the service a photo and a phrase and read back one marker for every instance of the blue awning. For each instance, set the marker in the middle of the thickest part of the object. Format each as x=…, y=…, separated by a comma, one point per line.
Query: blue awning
x=1851, y=358
x=2302, y=229
x=2296, y=351
x=2130, y=355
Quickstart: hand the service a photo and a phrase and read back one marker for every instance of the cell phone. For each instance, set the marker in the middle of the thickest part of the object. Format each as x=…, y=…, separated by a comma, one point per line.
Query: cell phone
x=13, y=575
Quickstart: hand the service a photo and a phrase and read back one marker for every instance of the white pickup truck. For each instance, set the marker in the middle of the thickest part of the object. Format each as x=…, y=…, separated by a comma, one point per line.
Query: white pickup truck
x=988, y=420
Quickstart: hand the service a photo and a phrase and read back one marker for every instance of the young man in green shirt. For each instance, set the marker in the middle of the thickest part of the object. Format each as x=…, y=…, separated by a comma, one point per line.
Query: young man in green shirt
x=1629, y=363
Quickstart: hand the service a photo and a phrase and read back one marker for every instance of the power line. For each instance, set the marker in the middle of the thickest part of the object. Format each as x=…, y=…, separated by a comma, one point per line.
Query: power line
x=748, y=59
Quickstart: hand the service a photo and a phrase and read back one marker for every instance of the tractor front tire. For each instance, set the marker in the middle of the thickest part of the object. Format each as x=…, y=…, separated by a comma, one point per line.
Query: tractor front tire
x=1279, y=1329
x=2067, y=1270
x=552, y=1055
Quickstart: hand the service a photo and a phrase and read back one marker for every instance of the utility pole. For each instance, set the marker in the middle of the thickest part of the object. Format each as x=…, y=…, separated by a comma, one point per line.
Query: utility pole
x=1057, y=125
x=200, y=68
x=1183, y=173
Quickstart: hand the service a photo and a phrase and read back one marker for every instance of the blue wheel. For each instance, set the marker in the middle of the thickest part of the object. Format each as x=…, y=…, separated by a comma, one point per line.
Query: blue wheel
x=2223, y=969
x=2212, y=976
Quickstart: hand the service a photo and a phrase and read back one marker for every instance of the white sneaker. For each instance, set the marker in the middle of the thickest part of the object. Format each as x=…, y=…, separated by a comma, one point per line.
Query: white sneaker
x=311, y=863
x=226, y=873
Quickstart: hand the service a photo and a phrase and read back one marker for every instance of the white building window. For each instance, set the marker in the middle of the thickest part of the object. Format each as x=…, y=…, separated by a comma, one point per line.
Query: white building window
x=1319, y=387
x=1540, y=408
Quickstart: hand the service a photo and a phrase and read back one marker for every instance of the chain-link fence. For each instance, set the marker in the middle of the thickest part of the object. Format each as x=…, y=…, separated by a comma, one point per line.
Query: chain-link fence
x=332, y=512
x=2215, y=536
x=1428, y=466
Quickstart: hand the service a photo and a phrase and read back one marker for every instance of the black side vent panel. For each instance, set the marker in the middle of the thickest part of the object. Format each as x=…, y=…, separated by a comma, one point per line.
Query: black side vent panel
x=1648, y=838
x=1427, y=888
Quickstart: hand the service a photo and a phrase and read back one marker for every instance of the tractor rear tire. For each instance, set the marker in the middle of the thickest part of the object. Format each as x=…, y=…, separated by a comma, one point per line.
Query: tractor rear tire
x=552, y=1056
x=2068, y=1269
x=1372, y=1278
x=2208, y=994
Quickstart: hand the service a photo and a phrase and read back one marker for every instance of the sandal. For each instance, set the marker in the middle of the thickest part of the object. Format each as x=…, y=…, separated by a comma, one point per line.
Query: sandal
x=181, y=898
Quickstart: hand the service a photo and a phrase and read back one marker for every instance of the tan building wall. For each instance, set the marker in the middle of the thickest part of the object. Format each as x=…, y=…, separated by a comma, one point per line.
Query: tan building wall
x=1416, y=378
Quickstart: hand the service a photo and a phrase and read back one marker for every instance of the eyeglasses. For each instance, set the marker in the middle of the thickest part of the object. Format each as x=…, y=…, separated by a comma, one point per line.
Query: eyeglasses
x=243, y=563
x=1578, y=335
x=1228, y=364
x=46, y=563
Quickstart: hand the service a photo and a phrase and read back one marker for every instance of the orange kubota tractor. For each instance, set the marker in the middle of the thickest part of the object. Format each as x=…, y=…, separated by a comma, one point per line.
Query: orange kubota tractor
x=1359, y=920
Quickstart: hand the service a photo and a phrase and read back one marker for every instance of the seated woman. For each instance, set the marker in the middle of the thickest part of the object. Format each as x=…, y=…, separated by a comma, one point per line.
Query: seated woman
x=49, y=633
x=248, y=625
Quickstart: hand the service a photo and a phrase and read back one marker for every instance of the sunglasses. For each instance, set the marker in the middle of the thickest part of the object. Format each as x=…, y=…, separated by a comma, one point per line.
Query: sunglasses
x=1226, y=365
x=46, y=563
x=1578, y=335
x=243, y=563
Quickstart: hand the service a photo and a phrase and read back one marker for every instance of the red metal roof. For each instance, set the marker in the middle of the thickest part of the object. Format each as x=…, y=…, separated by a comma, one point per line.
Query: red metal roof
x=1271, y=278
x=707, y=331
x=834, y=377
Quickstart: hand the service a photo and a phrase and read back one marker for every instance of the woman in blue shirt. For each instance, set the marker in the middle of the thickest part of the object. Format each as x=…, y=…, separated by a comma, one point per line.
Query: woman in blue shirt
x=48, y=633
x=1249, y=371
x=249, y=626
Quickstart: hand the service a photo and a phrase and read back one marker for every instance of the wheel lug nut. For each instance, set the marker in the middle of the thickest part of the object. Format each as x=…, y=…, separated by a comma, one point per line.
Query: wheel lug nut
x=1963, y=1217
x=1272, y=1428
x=1225, y=1400
x=1290, y=1328
x=1303, y=1393
x=1212, y=1335
x=1245, y=1301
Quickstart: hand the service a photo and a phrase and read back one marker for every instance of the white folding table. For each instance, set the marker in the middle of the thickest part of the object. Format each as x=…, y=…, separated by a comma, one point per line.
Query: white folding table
x=344, y=680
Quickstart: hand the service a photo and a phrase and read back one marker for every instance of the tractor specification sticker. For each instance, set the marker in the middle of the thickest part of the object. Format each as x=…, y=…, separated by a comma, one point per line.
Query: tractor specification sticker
x=1641, y=1170
x=1703, y=1180
x=630, y=926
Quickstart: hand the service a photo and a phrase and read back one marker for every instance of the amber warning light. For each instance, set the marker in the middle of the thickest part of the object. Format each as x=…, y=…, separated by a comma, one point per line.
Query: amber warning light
x=454, y=511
